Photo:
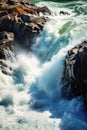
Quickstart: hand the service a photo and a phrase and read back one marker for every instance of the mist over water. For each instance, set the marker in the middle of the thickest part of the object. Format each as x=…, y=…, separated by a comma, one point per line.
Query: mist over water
x=30, y=96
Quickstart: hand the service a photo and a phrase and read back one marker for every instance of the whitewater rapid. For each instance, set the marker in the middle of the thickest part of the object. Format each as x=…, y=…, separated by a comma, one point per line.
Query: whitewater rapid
x=30, y=96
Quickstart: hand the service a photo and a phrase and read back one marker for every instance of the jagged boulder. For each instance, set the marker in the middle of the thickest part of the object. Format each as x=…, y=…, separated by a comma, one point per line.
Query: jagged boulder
x=44, y=10
x=75, y=73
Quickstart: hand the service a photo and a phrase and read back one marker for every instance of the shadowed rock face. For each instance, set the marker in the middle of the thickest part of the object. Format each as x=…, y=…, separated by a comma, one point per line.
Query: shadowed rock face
x=6, y=42
x=75, y=74
x=6, y=50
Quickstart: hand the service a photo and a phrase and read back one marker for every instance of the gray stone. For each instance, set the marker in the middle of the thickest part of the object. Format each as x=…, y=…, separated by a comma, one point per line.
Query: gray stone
x=75, y=73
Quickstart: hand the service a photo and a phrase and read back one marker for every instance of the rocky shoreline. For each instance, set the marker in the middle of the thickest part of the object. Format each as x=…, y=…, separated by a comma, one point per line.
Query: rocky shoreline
x=20, y=23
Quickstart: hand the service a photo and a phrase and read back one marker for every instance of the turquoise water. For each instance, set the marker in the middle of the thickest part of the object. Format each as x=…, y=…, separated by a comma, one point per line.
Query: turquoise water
x=61, y=1
x=30, y=96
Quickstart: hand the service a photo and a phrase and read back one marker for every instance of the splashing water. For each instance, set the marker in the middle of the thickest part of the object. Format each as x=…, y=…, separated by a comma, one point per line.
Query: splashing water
x=30, y=96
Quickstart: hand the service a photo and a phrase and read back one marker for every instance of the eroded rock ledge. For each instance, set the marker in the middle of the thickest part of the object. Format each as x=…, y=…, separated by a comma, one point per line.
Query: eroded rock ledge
x=75, y=73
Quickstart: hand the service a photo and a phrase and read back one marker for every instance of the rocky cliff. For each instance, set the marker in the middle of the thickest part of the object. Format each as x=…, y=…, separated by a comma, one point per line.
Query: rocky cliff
x=20, y=23
x=22, y=18
x=75, y=73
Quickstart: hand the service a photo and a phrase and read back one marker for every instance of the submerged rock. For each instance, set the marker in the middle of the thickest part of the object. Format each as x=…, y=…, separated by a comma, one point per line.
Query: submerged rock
x=63, y=13
x=75, y=73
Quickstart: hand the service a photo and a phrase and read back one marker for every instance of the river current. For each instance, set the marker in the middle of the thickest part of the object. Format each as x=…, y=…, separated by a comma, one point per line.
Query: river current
x=30, y=98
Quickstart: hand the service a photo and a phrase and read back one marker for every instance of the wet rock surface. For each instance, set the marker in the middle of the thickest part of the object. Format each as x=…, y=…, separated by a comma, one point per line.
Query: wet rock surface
x=75, y=73
x=22, y=18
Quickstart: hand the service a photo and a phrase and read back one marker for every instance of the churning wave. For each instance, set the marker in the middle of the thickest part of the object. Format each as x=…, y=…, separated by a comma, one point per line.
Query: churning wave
x=30, y=96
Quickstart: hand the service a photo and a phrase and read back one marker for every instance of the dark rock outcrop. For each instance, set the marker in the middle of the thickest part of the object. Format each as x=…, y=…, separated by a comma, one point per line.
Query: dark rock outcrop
x=75, y=73
x=20, y=23
x=23, y=19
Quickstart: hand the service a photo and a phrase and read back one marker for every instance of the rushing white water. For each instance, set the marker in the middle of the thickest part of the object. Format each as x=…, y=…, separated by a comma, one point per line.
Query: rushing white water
x=30, y=96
